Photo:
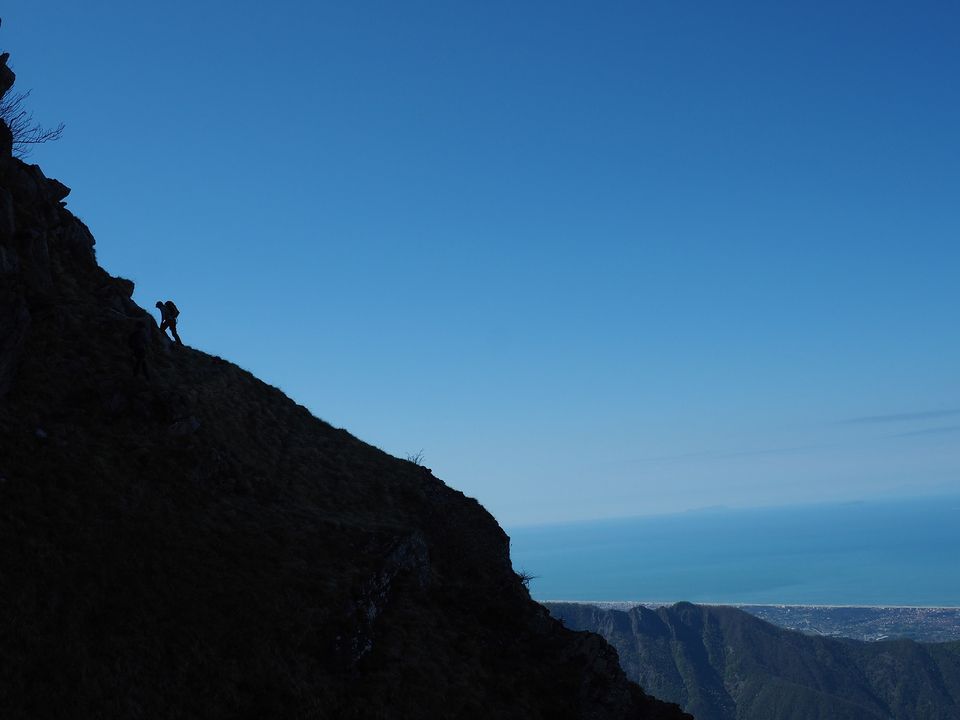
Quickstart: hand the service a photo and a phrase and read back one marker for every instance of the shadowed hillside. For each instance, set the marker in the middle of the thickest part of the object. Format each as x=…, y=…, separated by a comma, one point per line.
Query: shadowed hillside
x=721, y=663
x=196, y=545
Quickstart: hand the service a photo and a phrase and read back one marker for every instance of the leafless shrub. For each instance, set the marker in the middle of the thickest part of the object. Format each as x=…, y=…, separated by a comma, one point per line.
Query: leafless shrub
x=25, y=130
x=526, y=577
x=416, y=458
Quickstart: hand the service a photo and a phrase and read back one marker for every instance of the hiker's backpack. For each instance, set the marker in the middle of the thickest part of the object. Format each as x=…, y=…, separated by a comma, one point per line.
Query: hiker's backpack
x=172, y=312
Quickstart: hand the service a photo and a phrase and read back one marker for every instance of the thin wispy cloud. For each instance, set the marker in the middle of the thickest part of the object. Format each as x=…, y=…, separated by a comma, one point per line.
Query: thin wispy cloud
x=944, y=430
x=726, y=454
x=900, y=417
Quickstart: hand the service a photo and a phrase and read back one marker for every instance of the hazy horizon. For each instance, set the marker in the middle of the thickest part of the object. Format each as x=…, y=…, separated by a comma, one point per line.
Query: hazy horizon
x=721, y=509
x=876, y=553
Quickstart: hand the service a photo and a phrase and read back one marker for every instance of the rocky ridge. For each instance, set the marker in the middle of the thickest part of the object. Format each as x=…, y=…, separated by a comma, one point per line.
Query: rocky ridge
x=720, y=663
x=197, y=545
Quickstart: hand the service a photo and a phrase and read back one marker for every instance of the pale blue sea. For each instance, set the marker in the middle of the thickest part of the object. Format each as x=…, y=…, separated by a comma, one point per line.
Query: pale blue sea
x=903, y=552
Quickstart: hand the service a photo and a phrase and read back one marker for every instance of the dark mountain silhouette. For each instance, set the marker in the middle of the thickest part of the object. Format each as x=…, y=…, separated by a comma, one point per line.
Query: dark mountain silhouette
x=721, y=663
x=196, y=545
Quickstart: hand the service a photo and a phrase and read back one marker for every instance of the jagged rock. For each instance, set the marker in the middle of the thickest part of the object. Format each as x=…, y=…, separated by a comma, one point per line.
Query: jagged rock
x=27, y=184
x=76, y=236
x=6, y=144
x=408, y=556
x=58, y=191
x=7, y=76
x=124, y=287
x=117, y=286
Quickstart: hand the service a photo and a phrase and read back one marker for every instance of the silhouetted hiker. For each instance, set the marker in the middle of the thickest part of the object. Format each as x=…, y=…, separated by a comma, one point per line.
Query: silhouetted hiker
x=138, y=346
x=168, y=315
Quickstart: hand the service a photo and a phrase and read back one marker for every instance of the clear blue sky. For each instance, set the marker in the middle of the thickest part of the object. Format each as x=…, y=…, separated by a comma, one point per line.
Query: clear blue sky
x=594, y=258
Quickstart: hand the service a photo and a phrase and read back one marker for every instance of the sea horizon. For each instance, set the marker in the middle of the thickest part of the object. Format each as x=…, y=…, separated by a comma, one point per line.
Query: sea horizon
x=872, y=553
x=626, y=604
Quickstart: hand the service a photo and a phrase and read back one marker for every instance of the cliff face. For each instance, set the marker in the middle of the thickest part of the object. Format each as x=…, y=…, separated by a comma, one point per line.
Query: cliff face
x=722, y=664
x=198, y=545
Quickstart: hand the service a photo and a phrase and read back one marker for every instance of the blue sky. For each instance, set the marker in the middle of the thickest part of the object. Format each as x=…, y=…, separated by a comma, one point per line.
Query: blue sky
x=595, y=259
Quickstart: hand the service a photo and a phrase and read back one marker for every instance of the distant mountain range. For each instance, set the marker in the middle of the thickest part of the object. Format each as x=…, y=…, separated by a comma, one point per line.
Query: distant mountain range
x=720, y=663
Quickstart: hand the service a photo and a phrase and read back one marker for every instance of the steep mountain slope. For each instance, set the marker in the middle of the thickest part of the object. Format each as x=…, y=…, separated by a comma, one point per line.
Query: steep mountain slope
x=721, y=663
x=196, y=545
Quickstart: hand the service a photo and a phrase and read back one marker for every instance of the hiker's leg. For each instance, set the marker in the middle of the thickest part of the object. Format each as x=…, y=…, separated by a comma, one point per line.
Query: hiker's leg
x=163, y=327
x=173, y=329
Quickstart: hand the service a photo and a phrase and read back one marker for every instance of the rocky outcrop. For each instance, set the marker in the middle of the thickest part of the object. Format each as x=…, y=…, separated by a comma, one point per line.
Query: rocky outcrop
x=406, y=557
x=7, y=77
x=198, y=545
x=32, y=219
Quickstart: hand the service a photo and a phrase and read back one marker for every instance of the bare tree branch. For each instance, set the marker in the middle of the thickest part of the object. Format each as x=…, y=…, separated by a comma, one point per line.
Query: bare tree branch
x=26, y=132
